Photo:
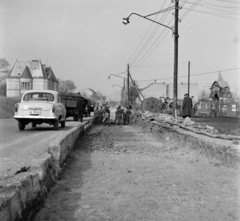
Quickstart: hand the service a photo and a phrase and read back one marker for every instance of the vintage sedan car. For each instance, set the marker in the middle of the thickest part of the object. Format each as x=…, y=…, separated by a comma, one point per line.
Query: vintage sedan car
x=40, y=106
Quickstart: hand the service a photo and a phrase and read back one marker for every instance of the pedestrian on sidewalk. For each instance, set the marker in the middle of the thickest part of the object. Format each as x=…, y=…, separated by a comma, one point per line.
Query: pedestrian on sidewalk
x=187, y=106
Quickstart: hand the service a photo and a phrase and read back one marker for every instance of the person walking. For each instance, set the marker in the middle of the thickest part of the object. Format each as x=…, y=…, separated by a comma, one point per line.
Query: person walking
x=187, y=106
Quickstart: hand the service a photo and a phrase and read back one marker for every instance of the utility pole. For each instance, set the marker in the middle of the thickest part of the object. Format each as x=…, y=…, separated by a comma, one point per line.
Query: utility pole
x=175, y=75
x=189, y=78
x=128, y=84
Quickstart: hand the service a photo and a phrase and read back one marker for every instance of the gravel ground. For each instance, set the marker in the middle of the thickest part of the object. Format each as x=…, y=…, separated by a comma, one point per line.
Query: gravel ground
x=126, y=173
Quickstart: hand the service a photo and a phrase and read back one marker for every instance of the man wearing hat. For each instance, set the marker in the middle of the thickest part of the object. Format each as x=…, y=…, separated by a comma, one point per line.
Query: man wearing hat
x=187, y=106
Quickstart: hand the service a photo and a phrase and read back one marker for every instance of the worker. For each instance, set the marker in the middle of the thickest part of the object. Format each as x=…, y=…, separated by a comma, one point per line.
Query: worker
x=96, y=116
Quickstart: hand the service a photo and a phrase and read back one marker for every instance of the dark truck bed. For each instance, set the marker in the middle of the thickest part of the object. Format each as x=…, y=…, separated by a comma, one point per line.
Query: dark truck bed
x=74, y=104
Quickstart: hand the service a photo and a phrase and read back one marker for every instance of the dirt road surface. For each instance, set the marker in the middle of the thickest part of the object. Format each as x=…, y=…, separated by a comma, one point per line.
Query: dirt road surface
x=126, y=173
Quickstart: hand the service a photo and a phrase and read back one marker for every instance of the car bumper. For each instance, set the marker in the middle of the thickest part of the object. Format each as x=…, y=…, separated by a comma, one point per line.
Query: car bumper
x=35, y=117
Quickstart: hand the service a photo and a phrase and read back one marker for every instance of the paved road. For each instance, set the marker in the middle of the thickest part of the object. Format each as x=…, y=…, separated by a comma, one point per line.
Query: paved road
x=21, y=148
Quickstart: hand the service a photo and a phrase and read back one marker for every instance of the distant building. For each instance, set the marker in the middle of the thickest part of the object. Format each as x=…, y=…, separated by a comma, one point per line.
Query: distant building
x=29, y=75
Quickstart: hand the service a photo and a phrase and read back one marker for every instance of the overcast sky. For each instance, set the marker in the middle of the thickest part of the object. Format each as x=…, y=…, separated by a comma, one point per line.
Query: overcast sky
x=85, y=40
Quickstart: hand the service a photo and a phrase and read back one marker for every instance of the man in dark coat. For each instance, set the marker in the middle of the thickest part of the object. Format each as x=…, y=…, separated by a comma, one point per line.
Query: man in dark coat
x=187, y=106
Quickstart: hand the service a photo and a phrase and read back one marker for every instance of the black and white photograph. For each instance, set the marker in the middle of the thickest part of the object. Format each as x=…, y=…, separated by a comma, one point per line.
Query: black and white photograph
x=119, y=110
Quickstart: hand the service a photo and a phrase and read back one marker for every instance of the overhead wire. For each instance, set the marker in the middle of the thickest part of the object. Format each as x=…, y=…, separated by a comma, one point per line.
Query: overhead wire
x=156, y=40
x=181, y=76
x=149, y=39
x=190, y=9
x=145, y=35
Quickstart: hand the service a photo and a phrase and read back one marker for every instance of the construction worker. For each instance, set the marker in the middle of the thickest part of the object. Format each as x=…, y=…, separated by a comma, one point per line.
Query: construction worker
x=96, y=116
x=128, y=116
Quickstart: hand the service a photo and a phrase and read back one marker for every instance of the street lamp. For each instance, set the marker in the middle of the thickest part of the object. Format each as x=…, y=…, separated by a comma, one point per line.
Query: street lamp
x=117, y=75
x=126, y=20
x=176, y=36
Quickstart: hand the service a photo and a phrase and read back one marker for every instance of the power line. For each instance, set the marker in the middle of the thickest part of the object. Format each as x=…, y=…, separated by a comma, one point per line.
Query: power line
x=149, y=38
x=192, y=74
x=156, y=40
x=190, y=9
x=216, y=14
x=145, y=35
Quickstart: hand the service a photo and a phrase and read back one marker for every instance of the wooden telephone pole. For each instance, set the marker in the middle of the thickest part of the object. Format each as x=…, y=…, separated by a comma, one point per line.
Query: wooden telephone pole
x=128, y=73
x=175, y=74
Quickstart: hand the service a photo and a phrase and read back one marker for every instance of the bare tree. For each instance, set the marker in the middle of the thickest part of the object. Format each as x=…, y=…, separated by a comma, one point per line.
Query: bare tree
x=203, y=96
x=4, y=68
x=66, y=86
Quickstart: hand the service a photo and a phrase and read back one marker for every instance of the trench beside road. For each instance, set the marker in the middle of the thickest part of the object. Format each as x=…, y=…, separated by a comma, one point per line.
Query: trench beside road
x=141, y=173
x=30, y=162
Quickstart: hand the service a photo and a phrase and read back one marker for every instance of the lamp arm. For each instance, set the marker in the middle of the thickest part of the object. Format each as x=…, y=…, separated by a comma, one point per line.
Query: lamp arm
x=145, y=17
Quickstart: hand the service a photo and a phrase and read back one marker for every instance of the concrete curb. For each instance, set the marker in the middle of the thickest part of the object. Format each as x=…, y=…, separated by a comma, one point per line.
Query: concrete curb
x=225, y=151
x=23, y=198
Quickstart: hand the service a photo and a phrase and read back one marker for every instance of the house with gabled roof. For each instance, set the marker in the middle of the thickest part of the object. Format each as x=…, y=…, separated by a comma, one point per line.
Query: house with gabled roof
x=30, y=75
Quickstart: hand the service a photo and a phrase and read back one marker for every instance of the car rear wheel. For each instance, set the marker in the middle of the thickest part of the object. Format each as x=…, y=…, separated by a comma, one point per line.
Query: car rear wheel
x=63, y=124
x=56, y=125
x=34, y=124
x=21, y=125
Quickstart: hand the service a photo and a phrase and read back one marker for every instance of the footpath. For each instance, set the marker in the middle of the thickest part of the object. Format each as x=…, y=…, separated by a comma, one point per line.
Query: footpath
x=140, y=172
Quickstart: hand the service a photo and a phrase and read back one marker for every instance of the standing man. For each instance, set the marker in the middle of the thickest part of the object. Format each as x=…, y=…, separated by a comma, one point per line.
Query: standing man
x=187, y=106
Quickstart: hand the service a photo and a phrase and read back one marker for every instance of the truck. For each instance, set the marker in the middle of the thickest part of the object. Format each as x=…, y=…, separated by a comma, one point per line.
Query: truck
x=75, y=105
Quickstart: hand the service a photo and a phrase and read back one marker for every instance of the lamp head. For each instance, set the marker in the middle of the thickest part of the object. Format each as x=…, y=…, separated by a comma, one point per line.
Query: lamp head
x=125, y=21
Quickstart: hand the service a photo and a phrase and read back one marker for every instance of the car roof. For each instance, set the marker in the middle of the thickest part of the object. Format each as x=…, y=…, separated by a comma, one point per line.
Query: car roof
x=42, y=91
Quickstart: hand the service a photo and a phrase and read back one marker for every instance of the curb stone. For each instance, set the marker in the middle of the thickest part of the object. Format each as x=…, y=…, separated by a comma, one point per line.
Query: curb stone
x=21, y=200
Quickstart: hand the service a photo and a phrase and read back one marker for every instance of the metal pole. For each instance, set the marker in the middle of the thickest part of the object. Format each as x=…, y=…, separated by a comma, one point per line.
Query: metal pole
x=128, y=84
x=189, y=78
x=175, y=75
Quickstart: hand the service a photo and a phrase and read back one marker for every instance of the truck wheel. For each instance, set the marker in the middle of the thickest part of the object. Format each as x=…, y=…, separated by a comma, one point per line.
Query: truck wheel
x=62, y=124
x=75, y=117
x=21, y=125
x=56, y=125
x=34, y=124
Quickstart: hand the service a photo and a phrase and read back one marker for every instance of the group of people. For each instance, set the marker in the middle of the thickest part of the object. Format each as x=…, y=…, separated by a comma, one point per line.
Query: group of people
x=101, y=114
x=187, y=109
x=122, y=116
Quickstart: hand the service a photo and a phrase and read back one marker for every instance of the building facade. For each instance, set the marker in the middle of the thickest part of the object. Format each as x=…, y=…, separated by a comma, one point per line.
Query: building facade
x=29, y=75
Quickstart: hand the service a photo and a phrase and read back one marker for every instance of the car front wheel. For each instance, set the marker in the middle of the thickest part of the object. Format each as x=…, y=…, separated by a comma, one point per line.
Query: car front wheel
x=21, y=125
x=56, y=125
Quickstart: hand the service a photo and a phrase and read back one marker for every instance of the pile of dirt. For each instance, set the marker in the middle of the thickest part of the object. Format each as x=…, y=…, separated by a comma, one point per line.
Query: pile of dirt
x=7, y=106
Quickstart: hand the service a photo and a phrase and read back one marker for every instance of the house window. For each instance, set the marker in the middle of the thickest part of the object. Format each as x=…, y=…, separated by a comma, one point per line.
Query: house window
x=26, y=85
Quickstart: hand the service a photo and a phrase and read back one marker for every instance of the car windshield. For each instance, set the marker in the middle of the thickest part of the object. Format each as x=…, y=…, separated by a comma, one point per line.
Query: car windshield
x=38, y=96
